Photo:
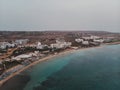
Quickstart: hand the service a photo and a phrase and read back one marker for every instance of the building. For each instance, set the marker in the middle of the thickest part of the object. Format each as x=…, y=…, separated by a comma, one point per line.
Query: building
x=61, y=44
x=94, y=37
x=98, y=41
x=40, y=46
x=21, y=41
x=23, y=56
x=78, y=40
x=86, y=38
x=4, y=45
x=85, y=43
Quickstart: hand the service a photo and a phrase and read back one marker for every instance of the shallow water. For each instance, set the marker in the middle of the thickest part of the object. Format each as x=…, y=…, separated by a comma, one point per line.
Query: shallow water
x=90, y=69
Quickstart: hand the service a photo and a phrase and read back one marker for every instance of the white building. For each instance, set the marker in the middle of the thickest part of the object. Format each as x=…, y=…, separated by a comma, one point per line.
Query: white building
x=99, y=40
x=3, y=45
x=79, y=40
x=86, y=38
x=23, y=56
x=40, y=46
x=21, y=41
x=94, y=37
x=91, y=37
x=60, y=45
x=85, y=43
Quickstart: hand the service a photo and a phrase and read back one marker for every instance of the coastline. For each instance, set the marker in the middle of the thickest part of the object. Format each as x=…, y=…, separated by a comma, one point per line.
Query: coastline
x=113, y=43
x=45, y=59
x=34, y=63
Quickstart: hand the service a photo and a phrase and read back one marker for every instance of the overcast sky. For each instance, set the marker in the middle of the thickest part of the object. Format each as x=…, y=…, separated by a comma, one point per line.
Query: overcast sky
x=60, y=15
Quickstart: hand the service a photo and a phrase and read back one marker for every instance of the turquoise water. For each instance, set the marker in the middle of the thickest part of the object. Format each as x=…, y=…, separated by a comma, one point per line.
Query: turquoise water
x=43, y=70
x=90, y=69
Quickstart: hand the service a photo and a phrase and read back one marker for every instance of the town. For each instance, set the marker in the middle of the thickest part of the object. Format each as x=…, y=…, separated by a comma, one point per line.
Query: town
x=16, y=54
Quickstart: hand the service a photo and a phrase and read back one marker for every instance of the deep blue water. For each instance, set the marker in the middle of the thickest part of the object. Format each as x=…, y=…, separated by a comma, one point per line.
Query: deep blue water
x=90, y=69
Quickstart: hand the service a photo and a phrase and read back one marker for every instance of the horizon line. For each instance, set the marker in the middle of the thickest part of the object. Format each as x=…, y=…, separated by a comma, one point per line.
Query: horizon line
x=57, y=31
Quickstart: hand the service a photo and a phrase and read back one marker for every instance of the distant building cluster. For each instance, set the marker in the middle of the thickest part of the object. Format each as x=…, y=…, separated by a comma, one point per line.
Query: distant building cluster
x=91, y=40
x=4, y=45
x=60, y=43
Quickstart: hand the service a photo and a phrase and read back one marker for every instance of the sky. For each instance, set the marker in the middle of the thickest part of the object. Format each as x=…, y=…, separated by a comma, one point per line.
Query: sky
x=40, y=15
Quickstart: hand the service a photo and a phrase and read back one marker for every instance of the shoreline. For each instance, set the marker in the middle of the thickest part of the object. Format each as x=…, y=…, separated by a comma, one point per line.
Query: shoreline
x=113, y=43
x=47, y=58
x=34, y=63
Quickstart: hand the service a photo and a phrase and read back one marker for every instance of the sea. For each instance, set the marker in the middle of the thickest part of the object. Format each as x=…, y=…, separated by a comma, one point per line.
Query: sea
x=88, y=69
